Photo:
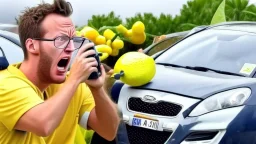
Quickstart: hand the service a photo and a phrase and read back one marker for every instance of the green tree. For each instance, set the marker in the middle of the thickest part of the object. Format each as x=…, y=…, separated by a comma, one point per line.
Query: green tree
x=250, y=13
x=200, y=12
x=239, y=10
x=98, y=21
x=195, y=13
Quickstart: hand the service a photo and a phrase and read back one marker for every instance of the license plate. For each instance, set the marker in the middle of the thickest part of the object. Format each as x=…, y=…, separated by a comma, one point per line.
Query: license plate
x=145, y=123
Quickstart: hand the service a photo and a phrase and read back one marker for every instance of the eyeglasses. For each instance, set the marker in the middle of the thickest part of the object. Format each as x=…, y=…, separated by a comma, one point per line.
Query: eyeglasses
x=61, y=42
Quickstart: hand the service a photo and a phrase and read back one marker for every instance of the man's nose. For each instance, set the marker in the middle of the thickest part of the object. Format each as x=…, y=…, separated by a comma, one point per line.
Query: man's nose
x=70, y=47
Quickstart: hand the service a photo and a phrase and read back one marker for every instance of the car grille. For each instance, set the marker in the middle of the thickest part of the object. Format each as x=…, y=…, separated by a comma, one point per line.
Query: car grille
x=161, y=108
x=139, y=135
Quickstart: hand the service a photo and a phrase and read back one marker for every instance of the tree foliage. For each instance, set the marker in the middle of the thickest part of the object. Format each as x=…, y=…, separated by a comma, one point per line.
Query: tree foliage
x=240, y=10
x=98, y=21
x=193, y=13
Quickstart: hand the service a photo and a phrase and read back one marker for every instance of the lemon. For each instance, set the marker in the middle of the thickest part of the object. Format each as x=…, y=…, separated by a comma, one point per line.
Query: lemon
x=128, y=33
x=109, y=42
x=121, y=29
x=115, y=52
x=138, y=68
x=104, y=56
x=100, y=39
x=137, y=38
x=117, y=44
x=108, y=34
x=90, y=33
x=138, y=27
x=103, y=48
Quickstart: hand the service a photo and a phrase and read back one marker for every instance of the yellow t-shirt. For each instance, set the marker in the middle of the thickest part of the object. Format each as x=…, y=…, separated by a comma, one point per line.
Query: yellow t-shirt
x=18, y=95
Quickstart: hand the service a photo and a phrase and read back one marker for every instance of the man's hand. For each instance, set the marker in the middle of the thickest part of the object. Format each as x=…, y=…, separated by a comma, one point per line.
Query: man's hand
x=99, y=82
x=83, y=65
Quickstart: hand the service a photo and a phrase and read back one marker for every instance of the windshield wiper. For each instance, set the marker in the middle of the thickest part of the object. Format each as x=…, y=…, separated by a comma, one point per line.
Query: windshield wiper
x=199, y=68
x=204, y=69
x=172, y=65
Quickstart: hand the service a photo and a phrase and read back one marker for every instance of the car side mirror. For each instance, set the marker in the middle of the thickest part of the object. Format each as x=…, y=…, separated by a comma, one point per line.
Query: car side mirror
x=3, y=61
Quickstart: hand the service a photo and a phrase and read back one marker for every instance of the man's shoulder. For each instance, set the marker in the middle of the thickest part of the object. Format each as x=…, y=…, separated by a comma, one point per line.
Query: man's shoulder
x=10, y=83
x=8, y=78
x=4, y=73
x=12, y=75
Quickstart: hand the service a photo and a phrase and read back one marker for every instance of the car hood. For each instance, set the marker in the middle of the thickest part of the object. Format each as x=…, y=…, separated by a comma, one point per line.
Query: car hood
x=194, y=83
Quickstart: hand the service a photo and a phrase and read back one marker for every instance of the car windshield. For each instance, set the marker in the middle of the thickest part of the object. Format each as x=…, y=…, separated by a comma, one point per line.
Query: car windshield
x=218, y=49
x=162, y=45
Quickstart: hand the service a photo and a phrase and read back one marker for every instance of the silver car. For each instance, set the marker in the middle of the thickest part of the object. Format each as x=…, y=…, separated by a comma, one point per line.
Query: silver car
x=10, y=44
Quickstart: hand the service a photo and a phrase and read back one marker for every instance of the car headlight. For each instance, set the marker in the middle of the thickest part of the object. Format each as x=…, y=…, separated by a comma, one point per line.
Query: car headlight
x=222, y=100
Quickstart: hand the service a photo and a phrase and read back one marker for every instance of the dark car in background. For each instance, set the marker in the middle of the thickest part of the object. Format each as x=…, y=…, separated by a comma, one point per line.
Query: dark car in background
x=204, y=90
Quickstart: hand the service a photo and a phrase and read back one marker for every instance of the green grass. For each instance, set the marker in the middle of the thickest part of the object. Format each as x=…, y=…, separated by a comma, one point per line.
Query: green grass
x=88, y=136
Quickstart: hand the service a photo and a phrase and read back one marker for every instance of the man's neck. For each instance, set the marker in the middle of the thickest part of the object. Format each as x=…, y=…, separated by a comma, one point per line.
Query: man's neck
x=31, y=73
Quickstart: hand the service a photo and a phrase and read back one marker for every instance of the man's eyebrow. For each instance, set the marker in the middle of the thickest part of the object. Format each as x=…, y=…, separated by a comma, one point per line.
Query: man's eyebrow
x=72, y=31
x=61, y=34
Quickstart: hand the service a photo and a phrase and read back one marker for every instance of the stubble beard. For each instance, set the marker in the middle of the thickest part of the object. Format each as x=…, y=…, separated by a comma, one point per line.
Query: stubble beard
x=44, y=69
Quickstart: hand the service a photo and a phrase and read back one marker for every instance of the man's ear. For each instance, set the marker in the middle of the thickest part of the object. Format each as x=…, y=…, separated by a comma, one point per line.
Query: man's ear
x=32, y=46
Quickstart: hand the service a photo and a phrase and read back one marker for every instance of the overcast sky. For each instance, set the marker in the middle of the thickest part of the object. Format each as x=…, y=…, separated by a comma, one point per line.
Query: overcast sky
x=84, y=9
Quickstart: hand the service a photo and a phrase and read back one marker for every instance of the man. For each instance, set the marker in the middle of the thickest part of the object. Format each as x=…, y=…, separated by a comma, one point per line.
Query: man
x=39, y=103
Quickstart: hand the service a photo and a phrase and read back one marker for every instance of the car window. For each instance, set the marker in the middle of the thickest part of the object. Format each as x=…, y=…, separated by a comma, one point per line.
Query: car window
x=224, y=50
x=163, y=45
x=13, y=52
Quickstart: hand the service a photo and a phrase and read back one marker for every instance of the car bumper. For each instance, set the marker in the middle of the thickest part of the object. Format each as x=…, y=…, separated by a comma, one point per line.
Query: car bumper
x=205, y=129
x=228, y=126
x=222, y=126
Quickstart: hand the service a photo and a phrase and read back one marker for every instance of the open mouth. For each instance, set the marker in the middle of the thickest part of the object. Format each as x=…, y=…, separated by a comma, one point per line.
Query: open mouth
x=62, y=64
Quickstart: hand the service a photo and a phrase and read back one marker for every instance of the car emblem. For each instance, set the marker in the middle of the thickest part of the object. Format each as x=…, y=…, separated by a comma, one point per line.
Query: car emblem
x=149, y=98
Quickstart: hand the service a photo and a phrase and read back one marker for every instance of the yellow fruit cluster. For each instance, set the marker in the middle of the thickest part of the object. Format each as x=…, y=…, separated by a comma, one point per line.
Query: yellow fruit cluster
x=136, y=34
x=110, y=42
x=106, y=44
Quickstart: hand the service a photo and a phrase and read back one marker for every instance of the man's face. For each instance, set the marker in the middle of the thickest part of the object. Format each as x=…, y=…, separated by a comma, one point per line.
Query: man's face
x=54, y=62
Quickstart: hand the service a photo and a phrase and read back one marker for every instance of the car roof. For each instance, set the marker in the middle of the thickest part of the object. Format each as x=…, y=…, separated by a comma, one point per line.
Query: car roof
x=177, y=34
x=11, y=37
x=9, y=27
x=243, y=26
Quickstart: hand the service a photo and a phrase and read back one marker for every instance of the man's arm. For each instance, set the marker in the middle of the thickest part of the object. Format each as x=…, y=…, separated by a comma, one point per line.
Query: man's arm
x=45, y=117
x=104, y=117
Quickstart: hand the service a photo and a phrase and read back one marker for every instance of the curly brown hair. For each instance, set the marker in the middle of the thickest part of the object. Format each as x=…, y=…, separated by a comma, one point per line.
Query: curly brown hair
x=31, y=19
